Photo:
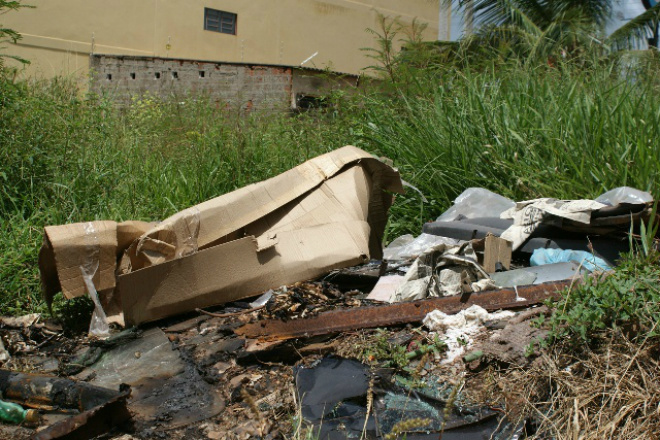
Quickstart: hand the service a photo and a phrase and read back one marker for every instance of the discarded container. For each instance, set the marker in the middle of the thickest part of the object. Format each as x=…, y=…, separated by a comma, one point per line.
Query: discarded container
x=14, y=413
x=589, y=261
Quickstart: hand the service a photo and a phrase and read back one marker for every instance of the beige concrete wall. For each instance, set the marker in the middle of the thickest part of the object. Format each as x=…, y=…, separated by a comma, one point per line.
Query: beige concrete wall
x=58, y=35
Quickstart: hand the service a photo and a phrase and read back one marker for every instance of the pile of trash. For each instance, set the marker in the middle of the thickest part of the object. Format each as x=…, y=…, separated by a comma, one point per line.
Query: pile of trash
x=297, y=281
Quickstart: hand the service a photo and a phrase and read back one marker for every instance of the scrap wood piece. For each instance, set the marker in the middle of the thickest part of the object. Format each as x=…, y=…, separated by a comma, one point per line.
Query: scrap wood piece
x=496, y=250
x=400, y=313
x=51, y=392
x=89, y=424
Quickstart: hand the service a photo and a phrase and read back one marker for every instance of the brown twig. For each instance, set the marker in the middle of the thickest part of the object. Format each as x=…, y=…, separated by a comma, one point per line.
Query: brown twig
x=228, y=315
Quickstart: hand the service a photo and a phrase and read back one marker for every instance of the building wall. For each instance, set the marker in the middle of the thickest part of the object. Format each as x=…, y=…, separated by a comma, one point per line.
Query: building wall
x=233, y=86
x=59, y=35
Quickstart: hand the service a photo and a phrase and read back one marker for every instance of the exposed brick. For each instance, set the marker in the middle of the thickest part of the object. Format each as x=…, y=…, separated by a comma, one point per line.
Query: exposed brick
x=249, y=87
x=229, y=85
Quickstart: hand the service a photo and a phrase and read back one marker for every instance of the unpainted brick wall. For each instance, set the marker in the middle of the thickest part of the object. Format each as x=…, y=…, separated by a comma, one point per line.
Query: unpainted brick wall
x=234, y=86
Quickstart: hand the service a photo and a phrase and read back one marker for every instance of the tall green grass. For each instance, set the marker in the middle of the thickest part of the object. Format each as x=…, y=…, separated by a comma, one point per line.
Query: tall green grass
x=564, y=133
x=67, y=157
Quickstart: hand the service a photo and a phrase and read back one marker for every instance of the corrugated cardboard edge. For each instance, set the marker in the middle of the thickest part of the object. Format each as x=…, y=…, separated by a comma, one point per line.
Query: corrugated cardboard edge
x=223, y=216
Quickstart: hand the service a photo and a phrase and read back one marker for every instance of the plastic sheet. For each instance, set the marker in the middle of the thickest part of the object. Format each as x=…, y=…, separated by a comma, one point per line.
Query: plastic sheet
x=476, y=203
x=589, y=261
x=537, y=274
x=624, y=194
x=333, y=399
x=99, y=325
x=407, y=247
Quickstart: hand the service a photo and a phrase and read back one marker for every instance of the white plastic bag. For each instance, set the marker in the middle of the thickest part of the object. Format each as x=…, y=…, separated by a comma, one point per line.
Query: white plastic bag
x=476, y=203
x=407, y=248
x=624, y=194
x=99, y=325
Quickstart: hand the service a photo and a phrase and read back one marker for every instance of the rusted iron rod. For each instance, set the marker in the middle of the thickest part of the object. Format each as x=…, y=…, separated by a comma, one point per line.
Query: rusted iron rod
x=400, y=313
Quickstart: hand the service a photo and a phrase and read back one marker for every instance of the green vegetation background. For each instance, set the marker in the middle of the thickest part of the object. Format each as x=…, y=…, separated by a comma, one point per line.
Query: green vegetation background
x=565, y=130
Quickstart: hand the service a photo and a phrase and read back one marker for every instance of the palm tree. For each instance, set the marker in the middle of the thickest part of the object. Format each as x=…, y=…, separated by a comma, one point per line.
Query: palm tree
x=10, y=34
x=543, y=29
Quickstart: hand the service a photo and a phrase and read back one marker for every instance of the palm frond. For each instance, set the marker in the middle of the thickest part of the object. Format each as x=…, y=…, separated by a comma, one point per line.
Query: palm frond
x=596, y=11
x=507, y=12
x=633, y=34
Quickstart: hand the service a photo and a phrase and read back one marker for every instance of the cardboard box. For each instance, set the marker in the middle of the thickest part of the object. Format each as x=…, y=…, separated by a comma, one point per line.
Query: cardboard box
x=327, y=213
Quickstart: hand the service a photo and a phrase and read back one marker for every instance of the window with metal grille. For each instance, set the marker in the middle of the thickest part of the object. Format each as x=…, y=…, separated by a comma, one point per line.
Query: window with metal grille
x=219, y=21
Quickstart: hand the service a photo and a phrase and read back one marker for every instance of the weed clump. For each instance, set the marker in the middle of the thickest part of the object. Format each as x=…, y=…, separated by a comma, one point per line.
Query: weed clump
x=628, y=299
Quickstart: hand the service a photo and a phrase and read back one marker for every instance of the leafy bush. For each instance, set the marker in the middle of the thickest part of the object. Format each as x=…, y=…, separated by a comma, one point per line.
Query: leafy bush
x=629, y=298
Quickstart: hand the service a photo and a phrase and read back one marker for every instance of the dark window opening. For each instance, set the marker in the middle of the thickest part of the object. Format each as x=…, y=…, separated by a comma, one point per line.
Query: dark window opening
x=108, y=76
x=220, y=21
x=309, y=102
x=202, y=74
x=175, y=75
x=132, y=75
x=157, y=75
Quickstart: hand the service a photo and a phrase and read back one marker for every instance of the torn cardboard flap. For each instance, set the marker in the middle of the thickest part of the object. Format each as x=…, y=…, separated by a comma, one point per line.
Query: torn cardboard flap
x=266, y=241
x=236, y=270
x=223, y=216
x=69, y=248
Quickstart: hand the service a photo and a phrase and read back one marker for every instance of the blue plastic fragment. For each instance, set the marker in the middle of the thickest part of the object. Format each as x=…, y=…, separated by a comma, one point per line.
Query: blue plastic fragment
x=589, y=261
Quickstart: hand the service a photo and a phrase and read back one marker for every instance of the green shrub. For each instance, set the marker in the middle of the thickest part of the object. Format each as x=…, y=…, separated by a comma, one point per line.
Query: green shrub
x=629, y=299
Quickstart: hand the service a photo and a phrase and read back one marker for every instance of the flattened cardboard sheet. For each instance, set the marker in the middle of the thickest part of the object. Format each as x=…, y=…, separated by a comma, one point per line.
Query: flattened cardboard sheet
x=236, y=270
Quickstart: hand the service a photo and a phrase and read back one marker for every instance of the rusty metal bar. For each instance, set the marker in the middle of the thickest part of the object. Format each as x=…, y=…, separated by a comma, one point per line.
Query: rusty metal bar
x=91, y=423
x=401, y=313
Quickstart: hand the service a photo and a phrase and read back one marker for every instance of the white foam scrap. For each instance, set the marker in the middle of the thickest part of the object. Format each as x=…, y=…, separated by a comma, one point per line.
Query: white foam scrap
x=458, y=330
